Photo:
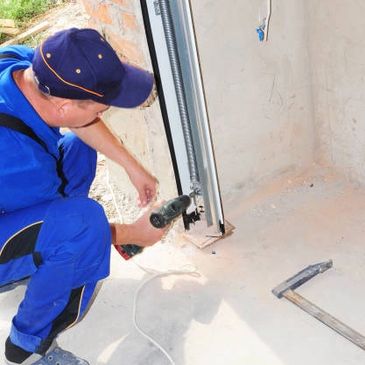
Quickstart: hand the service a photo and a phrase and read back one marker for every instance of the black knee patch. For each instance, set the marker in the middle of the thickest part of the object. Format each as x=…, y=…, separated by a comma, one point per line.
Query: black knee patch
x=68, y=316
x=21, y=244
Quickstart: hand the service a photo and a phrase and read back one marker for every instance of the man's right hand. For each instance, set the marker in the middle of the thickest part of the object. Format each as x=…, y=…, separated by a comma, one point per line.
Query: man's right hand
x=141, y=232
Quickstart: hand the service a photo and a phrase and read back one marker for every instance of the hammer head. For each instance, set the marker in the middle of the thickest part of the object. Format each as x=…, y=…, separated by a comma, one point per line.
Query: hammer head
x=301, y=277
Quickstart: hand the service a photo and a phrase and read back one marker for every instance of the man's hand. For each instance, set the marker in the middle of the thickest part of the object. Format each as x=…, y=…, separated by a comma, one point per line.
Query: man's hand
x=145, y=184
x=141, y=232
x=98, y=136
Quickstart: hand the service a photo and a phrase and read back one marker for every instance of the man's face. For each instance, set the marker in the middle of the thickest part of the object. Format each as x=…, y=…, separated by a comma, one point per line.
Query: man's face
x=81, y=113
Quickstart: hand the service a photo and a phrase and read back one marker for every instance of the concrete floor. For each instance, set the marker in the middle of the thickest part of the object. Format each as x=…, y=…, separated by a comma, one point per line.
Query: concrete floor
x=228, y=314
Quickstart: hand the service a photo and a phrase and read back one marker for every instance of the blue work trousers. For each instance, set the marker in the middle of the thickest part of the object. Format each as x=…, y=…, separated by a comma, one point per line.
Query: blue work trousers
x=63, y=246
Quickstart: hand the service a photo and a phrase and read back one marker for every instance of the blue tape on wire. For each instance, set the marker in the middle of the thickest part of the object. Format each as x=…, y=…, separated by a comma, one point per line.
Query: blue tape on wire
x=260, y=33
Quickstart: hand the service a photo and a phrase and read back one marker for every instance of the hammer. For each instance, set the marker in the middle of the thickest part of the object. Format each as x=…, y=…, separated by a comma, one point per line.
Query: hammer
x=286, y=290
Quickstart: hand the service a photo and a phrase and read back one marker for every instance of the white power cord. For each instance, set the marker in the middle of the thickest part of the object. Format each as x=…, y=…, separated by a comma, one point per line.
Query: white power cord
x=263, y=28
x=192, y=272
x=267, y=20
x=186, y=270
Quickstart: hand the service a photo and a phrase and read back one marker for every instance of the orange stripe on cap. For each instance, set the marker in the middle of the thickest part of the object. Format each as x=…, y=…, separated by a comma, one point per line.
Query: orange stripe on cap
x=64, y=81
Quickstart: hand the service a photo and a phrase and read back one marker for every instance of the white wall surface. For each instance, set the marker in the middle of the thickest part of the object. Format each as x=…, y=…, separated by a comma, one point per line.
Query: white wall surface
x=338, y=78
x=259, y=94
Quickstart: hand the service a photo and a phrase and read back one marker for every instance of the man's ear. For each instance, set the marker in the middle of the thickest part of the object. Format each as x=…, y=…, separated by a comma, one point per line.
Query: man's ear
x=64, y=106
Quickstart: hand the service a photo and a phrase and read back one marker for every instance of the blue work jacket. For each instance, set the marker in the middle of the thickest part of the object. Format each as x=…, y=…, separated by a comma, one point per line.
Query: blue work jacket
x=28, y=173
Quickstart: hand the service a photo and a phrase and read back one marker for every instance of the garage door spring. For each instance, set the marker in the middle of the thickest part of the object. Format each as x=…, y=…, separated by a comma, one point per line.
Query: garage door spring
x=180, y=93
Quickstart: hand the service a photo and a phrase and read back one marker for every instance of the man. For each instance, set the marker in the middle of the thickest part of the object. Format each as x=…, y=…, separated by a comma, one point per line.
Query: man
x=50, y=230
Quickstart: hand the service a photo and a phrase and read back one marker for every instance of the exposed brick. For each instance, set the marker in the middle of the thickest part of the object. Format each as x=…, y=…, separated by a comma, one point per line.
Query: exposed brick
x=88, y=6
x=123, y=3
x=102, y=14
x=93, y=23
x=127, y=49
x=129, y=22
x=121, y=26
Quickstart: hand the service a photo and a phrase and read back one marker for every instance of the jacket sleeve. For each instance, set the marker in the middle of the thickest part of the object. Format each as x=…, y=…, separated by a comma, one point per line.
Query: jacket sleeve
x=22, y=53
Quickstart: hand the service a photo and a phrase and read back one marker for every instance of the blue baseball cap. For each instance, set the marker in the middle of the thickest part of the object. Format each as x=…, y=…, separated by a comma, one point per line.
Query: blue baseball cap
x=81, y=64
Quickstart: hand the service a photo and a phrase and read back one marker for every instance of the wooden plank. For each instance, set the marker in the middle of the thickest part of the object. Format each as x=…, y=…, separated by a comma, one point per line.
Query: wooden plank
x=9, y=31
x=7, y=23
x=202, y=236
x=21, y=37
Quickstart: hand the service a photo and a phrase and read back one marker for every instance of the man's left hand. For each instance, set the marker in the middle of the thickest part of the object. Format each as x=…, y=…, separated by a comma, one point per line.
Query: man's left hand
x=145, y=184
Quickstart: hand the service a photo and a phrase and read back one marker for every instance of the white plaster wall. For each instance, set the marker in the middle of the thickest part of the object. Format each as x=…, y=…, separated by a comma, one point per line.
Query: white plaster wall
x=338, y=75
x=259, y=94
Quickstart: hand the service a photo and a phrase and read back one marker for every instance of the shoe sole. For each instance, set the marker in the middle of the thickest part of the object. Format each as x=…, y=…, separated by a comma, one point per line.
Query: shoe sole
x=31, y=360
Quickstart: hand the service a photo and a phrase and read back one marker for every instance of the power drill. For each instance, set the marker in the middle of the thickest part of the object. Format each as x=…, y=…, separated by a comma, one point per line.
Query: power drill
x=159, y=218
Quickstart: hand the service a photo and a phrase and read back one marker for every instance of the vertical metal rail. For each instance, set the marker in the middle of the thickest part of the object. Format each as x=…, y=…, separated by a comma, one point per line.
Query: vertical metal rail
x=160, y=90
x=196, y=104
x=175, y=59
x=180, y=94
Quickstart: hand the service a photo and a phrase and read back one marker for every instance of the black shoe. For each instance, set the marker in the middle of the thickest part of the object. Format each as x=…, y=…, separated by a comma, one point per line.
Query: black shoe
x=14, y=355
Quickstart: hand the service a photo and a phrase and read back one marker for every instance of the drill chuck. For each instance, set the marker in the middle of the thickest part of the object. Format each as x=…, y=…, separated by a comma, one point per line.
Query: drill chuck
x=169, y=211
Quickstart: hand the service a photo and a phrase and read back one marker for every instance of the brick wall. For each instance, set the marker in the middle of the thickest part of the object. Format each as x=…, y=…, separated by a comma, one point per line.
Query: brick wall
x=120, y=21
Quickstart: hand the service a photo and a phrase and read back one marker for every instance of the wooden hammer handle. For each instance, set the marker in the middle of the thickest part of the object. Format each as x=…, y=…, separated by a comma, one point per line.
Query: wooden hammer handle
x=355, y=337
